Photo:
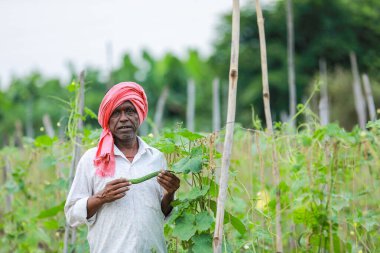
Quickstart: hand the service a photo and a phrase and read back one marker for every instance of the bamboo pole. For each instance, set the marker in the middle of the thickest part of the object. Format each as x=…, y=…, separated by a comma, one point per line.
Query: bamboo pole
x=233, y=77
x=19, y=134
x=160, y=109
x=190, y=110
x=76, y=156
x=7, y=171
x=109, y=60
x=369, y=97
x=268, y=119
x=291, y=68
x=216, y=105
x=48, y=125
x=29, y=118
x=358, y=94
x=324, y=112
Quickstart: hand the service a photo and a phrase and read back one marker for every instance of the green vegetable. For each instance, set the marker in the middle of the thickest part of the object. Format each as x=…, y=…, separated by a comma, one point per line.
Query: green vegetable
x=144, y=178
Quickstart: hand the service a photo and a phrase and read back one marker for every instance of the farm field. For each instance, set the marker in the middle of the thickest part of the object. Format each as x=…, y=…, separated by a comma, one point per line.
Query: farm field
x=274, y=132
x=329, y=191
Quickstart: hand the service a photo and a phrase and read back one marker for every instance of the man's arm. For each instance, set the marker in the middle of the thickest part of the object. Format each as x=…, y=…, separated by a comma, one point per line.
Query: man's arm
x=171, y=184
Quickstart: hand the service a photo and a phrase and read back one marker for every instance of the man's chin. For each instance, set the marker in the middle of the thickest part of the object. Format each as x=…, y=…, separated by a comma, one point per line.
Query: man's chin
x=126, y=136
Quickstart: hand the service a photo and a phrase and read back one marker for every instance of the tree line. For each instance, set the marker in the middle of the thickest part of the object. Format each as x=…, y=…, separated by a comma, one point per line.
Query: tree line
x=322, y=30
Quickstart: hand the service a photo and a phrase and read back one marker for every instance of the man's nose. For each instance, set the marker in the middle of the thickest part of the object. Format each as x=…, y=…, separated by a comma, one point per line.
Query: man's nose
x=123, y=116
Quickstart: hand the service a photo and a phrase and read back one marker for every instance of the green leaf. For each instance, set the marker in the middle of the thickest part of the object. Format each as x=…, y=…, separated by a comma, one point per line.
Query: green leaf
x=48, y=162
x=339, y=202
x=196, y=151
x=184, y=226
x=51, y=224
x=94, y=135
x=196, y=193
x=11, y=186
x=229, y=218
x=236, y=223
x=203, y=221
x=72, y=86
x=169, y=135
x=166, y=147
x=188, y=164
x=90, y=113
x=51, y=211
x=44, y=141
x=189, y=135
x=202, y=243
x=214, y=187
x=306, y=140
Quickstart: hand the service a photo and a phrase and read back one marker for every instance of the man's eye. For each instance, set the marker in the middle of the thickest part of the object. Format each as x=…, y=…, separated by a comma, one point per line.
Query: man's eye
x=115, y=114
x=130, y=111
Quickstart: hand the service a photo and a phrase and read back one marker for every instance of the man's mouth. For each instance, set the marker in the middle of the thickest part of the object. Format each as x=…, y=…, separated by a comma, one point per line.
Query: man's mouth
x=124, y=127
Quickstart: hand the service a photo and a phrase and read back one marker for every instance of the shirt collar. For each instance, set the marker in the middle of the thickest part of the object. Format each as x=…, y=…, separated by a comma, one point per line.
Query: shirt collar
x=143, y=147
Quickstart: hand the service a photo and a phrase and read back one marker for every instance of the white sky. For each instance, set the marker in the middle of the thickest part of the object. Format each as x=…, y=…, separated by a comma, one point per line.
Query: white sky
x=46, y=34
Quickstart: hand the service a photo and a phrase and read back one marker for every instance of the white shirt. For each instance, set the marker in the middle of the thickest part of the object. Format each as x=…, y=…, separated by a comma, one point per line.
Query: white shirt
x=133, y=223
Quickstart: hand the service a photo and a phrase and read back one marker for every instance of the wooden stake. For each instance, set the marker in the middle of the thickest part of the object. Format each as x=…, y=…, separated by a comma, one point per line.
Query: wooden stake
x=369, y=97
x=268, y=119
x=160, y=109
x=324, y=112
x=109, y=53
x=190, y=110
x=233, y=76
x=216, y=105
x=358, y=94
x=29, y=118
x=19, y=134
x=291, y=68
x=7, y=171
x=48, y=125
x=76, y=156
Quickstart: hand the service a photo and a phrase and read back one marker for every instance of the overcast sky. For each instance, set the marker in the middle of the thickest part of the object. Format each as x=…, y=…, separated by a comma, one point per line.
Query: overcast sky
x=45, y=34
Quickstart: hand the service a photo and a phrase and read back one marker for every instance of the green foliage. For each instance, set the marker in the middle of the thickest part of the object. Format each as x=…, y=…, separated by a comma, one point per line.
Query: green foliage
x=192, y=220
x=329, y=189
x=322, y=29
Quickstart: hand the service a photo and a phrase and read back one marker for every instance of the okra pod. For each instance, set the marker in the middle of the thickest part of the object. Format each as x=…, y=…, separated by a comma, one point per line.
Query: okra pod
x=144, y=178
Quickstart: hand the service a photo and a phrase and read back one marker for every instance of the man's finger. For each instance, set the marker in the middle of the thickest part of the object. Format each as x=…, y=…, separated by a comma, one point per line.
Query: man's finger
x=120, y=190
x=168, y=184
x=119, y=185
x=117, y=181
x=168, y=176
x=118, y=196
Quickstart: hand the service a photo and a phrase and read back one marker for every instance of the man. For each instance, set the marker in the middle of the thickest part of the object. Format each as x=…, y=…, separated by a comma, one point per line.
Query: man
x=122, y=217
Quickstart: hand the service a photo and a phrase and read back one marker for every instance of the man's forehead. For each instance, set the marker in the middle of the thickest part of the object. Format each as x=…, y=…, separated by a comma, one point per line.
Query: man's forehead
x=126, y=103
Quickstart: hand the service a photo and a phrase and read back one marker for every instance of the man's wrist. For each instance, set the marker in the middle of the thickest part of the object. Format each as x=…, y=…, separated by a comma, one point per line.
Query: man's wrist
x=97, y=200
x=169, y=195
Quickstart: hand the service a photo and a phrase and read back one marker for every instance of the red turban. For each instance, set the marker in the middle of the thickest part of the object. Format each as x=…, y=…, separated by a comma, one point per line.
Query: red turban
x=118, y=94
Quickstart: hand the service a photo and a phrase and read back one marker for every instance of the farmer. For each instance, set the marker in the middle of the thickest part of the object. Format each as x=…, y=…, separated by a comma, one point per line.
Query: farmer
x=121, y=216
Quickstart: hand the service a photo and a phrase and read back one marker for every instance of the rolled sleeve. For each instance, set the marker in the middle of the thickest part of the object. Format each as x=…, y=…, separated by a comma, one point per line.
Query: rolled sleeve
x=76, y=214
x=81, y=190
x=164, y=166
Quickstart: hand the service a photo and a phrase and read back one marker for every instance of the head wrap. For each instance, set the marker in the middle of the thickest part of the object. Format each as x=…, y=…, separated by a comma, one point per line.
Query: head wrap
x=105, y=159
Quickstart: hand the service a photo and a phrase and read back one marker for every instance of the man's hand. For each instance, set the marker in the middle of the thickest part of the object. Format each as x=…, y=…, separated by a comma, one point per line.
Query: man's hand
x=170, y=183
x=115, y=189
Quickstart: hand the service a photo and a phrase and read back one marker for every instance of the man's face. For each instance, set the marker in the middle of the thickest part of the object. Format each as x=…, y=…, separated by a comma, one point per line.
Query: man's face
x=124, y=122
